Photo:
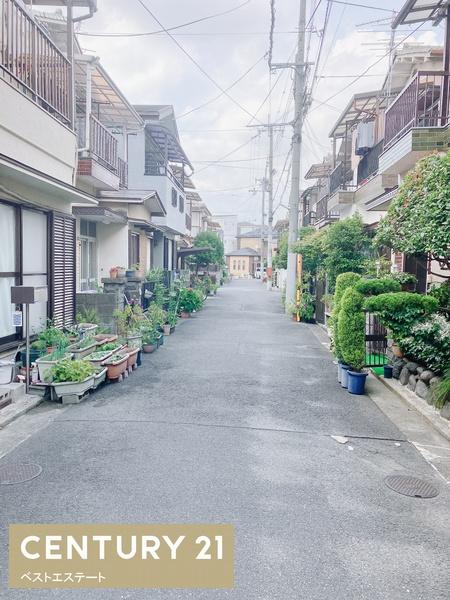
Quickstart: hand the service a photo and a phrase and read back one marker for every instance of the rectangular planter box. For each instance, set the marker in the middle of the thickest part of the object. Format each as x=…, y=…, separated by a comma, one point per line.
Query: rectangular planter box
x=99, y=377
x=97, y=362
x=44, y=365
x=82, y=352
x=135, y=341
x=132, y=356
x=104, y=338
x=117, y=368
x=71, y=388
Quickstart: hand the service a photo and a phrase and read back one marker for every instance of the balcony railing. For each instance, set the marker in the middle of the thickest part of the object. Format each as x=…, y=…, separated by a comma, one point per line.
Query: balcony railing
x=30, y=60
x=188, y=222
x=309, y=219
x=322, y=212
x=424, y=102
x=156, y=167
x=369, y=164
x=102, y=146
x=123, y=173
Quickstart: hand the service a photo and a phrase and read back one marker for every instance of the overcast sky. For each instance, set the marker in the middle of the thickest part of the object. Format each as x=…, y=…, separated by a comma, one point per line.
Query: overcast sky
x=153, y=70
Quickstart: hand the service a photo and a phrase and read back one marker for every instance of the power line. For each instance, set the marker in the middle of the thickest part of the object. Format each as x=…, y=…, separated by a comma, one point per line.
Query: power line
x=362, y=6
x=163, y=30
x=213, y=162
x=194, y=61
x=237, y=159
x=208, y=102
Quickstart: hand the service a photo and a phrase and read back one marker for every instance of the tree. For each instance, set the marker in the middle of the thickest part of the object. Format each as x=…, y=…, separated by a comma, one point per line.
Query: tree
x=418, y=218
x=280, y=259
x=213, y=256
x=345, y=246
x=310, y=246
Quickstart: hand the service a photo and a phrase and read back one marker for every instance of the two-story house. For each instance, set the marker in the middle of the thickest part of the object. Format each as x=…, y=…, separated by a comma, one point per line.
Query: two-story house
x=38, y=150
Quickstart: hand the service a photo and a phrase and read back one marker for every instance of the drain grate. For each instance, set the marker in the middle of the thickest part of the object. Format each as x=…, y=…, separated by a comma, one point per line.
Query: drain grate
x=19, y=473
x=411, y=486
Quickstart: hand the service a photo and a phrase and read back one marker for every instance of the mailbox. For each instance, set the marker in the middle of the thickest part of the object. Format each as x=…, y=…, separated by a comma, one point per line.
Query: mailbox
x=24, y=294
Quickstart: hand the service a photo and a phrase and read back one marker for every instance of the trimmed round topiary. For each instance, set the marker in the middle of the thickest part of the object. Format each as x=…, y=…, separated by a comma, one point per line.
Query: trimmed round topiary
x=343, y=282
x=351, y=327
x=375, y=287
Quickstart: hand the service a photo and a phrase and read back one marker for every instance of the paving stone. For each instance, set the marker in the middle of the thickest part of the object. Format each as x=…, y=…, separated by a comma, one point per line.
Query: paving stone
x=404, y=375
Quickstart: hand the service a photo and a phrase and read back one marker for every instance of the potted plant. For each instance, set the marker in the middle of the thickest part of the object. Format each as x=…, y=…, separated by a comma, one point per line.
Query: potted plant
x=98, y=357
x=294, y=311
x=82, y=348
x=99, y=376
x=408, y=281
x=47, y=361
x=52, y=338
x=351, y=324
x=37, y=349
x=172, y=320
x=113, y=273
x=149, y=340
x=129, y=321
x=116, y=365
x=111, y=347
x=132, y=357
x=104, y=338
x=307, y=307
x=189, y=301
x=72, y=377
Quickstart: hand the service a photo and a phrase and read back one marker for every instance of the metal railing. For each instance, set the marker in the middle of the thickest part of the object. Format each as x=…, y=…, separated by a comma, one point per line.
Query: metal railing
x=369, y=164
x=103, y=144
x=123, y=173
x=337, y=178
x=309, y=219
x=158, y=168
x=424, y=102
x=32, y=61
x=322, y=212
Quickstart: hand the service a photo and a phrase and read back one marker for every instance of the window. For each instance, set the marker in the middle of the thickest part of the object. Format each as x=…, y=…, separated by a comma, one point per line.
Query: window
x=239, y=265
x=133, y=249
x=174, y=197
x=234, y=265
x=181, y=205
x=88, y=262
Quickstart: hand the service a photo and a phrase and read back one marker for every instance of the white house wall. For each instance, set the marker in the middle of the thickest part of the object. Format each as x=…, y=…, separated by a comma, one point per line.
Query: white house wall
x=31, y=136
x=112, y=247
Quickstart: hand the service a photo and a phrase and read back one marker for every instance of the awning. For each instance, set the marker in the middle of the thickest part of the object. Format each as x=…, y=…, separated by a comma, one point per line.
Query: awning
x=99, y=214
x=150, y=199
x=34, y=179
x=360, y=106
x=109, y=105
x=418, y=11
x=166, y=141
x=166, y=229
x=190, y=251
x=318, y=171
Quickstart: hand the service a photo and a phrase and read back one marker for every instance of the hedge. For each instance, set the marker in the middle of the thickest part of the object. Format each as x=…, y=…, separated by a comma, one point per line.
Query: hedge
x=351, y=327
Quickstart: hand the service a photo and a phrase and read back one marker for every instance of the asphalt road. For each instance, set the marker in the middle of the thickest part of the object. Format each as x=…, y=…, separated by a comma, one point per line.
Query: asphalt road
x=231, y=422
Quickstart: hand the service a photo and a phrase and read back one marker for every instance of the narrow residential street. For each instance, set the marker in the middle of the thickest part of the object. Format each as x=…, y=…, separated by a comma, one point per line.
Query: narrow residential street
x=231, y=422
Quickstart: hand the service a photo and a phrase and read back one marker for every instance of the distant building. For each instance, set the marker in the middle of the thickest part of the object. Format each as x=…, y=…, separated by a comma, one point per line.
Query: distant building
x=251, y=238
x=229, y=227
x=243, y=262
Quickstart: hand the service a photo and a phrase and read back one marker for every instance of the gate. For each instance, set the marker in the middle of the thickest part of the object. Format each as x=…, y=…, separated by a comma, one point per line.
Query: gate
x=320, y=305
x=376, y=342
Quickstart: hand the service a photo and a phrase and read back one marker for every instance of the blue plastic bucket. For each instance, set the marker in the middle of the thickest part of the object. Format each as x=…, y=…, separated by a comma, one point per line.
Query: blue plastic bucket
x=388, y=371
x=344, y=375
x=356, y=382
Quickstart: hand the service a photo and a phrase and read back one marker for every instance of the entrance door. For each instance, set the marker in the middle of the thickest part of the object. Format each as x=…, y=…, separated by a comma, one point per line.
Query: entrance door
x=88, y=263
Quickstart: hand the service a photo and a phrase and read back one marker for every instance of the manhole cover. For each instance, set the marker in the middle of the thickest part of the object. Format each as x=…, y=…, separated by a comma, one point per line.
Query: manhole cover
x=411, y=486
x=19, y=473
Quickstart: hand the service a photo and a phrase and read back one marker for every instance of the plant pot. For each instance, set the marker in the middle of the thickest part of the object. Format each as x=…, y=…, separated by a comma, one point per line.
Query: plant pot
x=44, y=366
x=134, y=340
x=344, y=375
x=121, y=271
x=132, y=356
x=73, y=388
x=113, y=273
x=116, y=369
x=99, y=377
x=97, y=362
x=184, y=314
x=88, y=328
x=34, y=355
x=397, y=351
x=388, y=370
x=104, y=338
x=160, y=340
x=339, y=372
x=356, y=382
x=166, y=329
x=130, y=273
x=82, y=352
x=149, y=348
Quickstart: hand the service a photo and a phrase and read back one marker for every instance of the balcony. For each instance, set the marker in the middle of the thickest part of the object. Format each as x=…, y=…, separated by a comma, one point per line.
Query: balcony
x=158, y=168
x=368, y=165
x=325, y=216
x=309, y=219
x=31, y=62
x=99, y=161
x=424, y=103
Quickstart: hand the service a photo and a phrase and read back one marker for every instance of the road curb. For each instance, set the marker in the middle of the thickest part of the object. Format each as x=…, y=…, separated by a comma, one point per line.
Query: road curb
x=17, y=409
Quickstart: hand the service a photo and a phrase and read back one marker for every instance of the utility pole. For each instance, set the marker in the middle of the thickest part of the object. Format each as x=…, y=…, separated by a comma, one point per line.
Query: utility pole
x=299, y=97
x=270, y=212
x=263, y=183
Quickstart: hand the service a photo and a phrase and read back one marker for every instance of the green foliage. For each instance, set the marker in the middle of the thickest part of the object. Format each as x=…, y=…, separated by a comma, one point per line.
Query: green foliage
x=190, y=300
x=429, y=343
x=441, y=393
x=161, y=294
x=129, y=319
x=442, y=294
x=345, y=246
x=156, y=315
x=404, y=278
x=115, y=358
x=71, y=371
x=87, y=314
x=84, y=343
x=380, y=266
x=109, y=347
x=310, y=246
x=351, y=327
x=98, y=355
x=307, y=307
x=400, y=311
x=52, y=336
x=375, y=287
x=150, y=334
x=343, y=282
x=417, y=220
x=155, y=275
x=280, y=259
x=213, y=256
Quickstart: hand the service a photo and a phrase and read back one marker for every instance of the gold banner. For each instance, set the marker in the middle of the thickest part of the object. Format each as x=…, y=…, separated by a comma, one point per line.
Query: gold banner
x=121, y=556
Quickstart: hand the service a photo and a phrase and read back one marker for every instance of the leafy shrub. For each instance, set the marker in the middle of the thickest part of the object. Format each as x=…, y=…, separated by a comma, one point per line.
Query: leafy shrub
x=71, y=371
x=404, y=278
x=110, y=346
x=343, y=282
x=306, y=307
x=442, y=294
x=351, y=327
x=87, y=314
x=52, y=336
x=375, y=287
x=429, y=343
x=156, y=315
x=189, y=300
x=128, y=319
x=400, y=311
x=84, y=343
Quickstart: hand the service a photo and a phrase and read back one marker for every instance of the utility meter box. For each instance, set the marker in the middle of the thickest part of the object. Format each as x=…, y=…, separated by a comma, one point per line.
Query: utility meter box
x=24, y=294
